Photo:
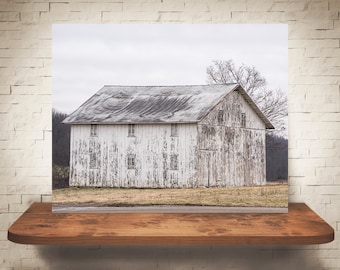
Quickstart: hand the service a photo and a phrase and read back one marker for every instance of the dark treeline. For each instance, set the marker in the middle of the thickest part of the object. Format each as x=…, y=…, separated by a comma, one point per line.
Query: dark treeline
x=276, y=153
x=60, y=139
x=60, y=150
x=277, y=157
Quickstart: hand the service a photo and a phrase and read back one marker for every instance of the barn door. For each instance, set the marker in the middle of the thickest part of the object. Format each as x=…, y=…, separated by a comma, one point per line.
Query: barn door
x=208, y=169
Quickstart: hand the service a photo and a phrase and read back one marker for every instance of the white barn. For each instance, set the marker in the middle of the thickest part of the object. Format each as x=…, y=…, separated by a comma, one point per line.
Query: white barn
x=168, y=137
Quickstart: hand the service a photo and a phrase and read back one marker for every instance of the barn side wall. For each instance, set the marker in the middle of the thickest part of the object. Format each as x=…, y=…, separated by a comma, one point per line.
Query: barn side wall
x=231, y=153
x=102, y=160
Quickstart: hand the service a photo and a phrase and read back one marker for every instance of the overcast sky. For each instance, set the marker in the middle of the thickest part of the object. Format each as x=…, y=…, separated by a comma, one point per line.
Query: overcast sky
x=86, y=57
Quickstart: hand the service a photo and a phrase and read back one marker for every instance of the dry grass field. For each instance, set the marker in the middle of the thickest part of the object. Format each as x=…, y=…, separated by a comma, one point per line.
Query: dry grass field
x=271, y=195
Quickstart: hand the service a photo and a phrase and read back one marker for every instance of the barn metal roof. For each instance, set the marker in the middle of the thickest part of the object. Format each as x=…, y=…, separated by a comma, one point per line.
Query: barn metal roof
x=154, y=104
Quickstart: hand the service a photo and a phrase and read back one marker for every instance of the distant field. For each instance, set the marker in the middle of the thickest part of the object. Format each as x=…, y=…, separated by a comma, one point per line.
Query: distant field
x=271, y=195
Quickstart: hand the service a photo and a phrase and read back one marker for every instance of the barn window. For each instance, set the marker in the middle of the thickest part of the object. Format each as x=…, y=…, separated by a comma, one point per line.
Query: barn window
x=243, y=120
x=131, y=130
x=93, y=161
x=94, y=130
x=131, y=162
x=174, y=162
x=220, y=117
x=174, y=130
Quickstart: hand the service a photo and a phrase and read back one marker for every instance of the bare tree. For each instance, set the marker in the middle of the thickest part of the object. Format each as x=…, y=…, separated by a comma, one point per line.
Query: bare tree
x=272, y=103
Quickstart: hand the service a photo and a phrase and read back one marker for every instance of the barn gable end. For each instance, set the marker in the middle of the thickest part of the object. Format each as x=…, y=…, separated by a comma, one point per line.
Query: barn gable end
x=231, y=144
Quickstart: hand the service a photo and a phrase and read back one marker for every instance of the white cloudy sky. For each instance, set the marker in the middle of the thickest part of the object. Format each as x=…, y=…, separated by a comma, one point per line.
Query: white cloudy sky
x=86, y=57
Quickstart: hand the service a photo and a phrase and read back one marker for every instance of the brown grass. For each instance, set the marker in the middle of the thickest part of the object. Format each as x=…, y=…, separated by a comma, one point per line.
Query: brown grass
x=271, y=195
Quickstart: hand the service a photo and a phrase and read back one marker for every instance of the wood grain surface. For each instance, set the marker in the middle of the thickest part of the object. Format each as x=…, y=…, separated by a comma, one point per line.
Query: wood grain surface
x=300, y=226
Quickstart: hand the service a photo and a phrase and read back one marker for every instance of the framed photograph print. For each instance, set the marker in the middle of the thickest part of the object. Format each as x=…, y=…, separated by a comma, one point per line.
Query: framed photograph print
x=170, y=117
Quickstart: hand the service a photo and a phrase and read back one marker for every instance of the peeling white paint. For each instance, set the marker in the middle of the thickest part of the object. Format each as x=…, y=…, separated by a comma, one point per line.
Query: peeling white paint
x=209, y=153
x=152, y=147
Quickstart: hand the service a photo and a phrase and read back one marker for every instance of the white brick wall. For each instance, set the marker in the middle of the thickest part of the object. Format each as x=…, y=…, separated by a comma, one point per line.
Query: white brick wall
x=25, y=134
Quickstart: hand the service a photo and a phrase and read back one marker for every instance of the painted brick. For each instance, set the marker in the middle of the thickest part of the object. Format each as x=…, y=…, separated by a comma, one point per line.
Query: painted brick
x=30, y=188
x=38, y=172
x=330, y=117
x=316, y=80
x=139, y=6
x=9, y=16
x=29, y=44
x=6, y=123
x=288, y=6
x=22, y=251
x=333, y=162
x=95, y=6
x=8, y=199
x=258, y=17
x=31, y=198
x=334, y=5
x=38, y=6
x=330, y=134
x=130, y=17
x=316, y=117
x=172, y=17
x=298, y=153
x=9, y=26
x=312, y=15
x=6, y=175
x=14, y=145
x=328, y=253
x=296, y=54
x=25, y=101
x=47, y=198
x=259, y=5
x=58, y=11
x=315, y=143
x=220, y=11
x=83, y=17
x=24, y=90
x=182, y=17
x=32, y=72
x=195, y=7
x=21, y=62
x=305, y=43
x=296, y=181
x=25, y=154
x=312, y=25
x=323, y=153
x=296, y=167
x=318, y=5
x=8, y=35
x=30, y=17
x=22, y=6
x=33, y=31
x=317, y=181
x=10, y=53
x=326, y=171
x=162, y=6
x=317, y=34
x=240, y=5
x=30, y=263
x=221, y=16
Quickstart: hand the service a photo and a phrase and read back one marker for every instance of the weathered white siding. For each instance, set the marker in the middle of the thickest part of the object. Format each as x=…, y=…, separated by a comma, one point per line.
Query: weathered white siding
x=226, y=148
x=102, y=160
x=231, y=153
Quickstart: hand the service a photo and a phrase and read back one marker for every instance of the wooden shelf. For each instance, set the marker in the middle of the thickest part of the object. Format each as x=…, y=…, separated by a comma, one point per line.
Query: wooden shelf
x=300, y=226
